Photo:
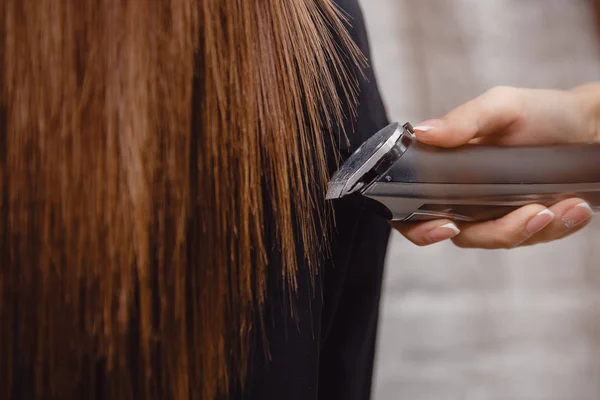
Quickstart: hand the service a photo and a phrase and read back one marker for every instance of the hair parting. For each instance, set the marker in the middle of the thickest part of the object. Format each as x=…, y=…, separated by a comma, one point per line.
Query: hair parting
x=140, y=144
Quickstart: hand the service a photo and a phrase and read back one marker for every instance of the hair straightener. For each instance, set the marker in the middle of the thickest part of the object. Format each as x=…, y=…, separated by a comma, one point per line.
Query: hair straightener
x=405, y=180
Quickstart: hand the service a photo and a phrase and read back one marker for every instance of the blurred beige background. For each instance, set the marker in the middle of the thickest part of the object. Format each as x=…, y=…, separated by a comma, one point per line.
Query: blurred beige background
x=482, y=325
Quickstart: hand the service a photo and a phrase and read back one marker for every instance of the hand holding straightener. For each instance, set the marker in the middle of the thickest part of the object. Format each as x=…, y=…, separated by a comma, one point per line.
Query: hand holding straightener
x=514, y=117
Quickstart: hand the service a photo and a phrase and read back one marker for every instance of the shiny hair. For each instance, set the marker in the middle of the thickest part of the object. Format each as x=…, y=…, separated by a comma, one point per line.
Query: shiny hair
x=144, y=145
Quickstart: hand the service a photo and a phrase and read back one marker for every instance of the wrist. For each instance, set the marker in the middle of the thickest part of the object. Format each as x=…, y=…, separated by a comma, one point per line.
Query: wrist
x=588, y=100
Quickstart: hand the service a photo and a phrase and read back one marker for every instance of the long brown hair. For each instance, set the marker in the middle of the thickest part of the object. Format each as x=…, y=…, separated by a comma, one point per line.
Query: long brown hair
x=140, y=143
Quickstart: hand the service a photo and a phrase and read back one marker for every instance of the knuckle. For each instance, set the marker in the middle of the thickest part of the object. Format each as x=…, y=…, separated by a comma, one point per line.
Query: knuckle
x=502, y=104
x=506, y=236
x=500, y=91
x=414, y=240
x=463, y=243
x=493, y=244
x=420, y=243
x=507, y=245
x=507, y=242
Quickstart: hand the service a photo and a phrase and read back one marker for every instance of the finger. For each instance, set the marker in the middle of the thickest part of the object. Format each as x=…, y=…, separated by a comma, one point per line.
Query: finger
x=570, y=215
x=507, y=232
x=570, y=232
x=426, y=233
x=492, y=113
x=575, y=230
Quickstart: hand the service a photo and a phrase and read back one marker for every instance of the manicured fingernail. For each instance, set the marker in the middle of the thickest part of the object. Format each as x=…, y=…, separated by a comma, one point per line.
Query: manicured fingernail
x=578, y=214
x=444, y=232
x=423, y=128
x=426, y=126
x=540, y=221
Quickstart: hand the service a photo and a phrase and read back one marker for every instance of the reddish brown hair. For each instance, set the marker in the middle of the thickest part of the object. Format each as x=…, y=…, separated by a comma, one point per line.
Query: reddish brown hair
x=140, y=143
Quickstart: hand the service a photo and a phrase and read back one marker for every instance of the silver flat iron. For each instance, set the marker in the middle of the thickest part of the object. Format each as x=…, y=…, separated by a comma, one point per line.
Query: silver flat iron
x=405, y=180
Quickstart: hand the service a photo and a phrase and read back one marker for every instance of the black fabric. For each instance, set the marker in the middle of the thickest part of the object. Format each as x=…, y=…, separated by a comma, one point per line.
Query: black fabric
x=327, y=350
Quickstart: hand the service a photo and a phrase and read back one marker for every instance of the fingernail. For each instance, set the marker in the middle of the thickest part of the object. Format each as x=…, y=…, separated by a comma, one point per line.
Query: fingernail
x=578, y=214
x=426, y=126
x=540, y=221
x=444, y=232
x=423, y=128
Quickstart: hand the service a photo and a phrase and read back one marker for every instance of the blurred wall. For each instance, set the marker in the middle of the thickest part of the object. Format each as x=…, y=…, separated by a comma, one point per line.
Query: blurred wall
x=481, y=325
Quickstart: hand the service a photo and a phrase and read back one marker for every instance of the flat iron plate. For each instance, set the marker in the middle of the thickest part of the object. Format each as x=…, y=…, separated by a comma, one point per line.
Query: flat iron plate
x=346, y=180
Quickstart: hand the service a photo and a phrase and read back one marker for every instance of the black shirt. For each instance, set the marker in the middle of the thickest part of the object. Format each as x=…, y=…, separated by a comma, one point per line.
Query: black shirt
x=327, y=351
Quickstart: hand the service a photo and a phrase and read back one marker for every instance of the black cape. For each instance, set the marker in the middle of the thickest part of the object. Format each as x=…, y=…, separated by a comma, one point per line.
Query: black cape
x=327, y=351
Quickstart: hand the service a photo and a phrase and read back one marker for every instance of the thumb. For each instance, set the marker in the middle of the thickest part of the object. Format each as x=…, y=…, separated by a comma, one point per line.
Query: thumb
x=492, y=113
